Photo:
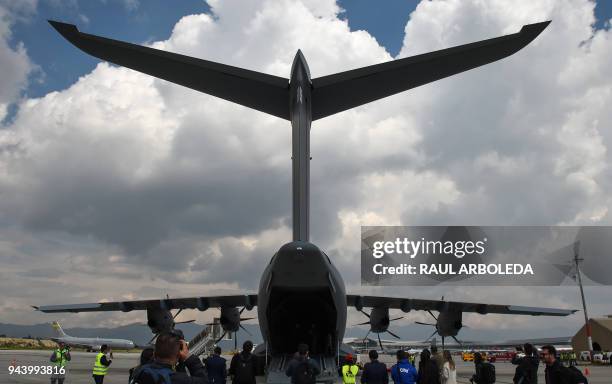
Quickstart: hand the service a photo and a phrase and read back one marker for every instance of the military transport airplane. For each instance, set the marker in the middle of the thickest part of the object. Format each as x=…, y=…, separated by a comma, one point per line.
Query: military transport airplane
x=301, y=295
x=90, y=343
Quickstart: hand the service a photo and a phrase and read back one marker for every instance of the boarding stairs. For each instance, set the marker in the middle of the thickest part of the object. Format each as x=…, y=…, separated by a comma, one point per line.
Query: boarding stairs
x=204, y=342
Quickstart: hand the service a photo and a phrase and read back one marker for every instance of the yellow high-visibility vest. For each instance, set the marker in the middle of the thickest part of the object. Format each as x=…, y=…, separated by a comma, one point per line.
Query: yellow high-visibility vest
x=99, y=369
x=60, y=357
x=349, y=372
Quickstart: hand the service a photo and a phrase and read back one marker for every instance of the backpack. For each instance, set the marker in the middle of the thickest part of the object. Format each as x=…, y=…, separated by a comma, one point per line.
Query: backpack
x=576, y=376
x=243, y=372
x=487, y=373
x=303, y=373
x=160, y=375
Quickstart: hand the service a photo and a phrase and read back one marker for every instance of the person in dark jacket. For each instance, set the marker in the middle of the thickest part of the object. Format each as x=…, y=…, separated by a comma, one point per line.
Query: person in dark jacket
x=527, y=367
x=146, y=357
x=403, y=372
x=479, y=377
x=555, y=373
x=300, y=357
x=242, y=367
x=428, y=369
x=215, y=365
x=437, y=357
x=170, y=350
x=374, y=372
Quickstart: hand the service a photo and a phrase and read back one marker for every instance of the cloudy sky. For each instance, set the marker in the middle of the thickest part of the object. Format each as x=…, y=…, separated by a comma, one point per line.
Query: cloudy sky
x=115, y=185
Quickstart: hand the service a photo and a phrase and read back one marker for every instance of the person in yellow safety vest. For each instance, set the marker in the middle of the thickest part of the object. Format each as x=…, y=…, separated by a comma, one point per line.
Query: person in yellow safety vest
x=411, y=358
x=59, y=358
x=101, y=364
x=349, y=370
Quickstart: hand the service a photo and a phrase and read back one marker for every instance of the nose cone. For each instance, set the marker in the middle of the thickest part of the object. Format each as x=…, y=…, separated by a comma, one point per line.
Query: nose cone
x=299, y=68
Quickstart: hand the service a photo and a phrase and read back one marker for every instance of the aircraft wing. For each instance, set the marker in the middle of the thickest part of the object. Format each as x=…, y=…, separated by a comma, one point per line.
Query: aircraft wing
x=345, y=90
x=407, y=304
x=201, y=303
x=260, y=91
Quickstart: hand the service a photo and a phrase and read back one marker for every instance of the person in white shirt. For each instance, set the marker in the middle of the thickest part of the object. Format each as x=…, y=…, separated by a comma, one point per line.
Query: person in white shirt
x=449, y=371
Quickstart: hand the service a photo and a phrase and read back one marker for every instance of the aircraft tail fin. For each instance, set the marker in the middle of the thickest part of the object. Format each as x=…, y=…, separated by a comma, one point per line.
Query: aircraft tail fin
x=345, y=90
x=58, y=329
x=260, y=91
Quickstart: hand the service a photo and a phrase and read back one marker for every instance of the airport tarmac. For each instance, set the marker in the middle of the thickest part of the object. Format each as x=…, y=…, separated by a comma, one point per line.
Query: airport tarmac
x=79, y=369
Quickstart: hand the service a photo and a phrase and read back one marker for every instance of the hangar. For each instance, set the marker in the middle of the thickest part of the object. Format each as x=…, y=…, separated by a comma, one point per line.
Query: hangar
x=601, y=329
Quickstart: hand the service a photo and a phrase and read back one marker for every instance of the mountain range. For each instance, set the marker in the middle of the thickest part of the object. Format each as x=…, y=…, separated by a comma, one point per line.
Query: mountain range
x=140, y=333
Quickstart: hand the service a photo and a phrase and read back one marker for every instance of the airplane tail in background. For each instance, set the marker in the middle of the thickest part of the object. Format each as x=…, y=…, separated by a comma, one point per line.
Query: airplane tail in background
x=58, y=329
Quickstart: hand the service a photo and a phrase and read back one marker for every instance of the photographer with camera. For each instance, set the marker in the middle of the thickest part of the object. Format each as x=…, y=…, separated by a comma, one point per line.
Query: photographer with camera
x=60, y=356
x=171, y=363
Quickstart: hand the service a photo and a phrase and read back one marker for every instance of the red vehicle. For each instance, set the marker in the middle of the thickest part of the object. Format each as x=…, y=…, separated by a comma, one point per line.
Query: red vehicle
x=501, y=356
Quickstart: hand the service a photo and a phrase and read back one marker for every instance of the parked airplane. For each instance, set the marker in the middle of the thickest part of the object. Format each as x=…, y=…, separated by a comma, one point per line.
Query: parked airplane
x=89, y=343
x=301, y=295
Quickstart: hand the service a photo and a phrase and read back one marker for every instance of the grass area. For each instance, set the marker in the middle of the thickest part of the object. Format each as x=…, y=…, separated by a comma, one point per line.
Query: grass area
x=13, y=343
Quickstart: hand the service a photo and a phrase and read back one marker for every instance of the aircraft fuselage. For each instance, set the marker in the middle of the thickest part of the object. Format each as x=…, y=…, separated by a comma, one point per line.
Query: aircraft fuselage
x=301, y=294
x=302, y=299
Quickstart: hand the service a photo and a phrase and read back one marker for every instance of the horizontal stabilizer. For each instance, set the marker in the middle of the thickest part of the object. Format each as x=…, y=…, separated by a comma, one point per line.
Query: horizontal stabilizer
x=345, y=90
x=265, y=93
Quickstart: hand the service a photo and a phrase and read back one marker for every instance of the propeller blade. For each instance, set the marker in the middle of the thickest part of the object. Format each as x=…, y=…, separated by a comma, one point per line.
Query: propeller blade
x=367, y=322
x=247, y=318
x=221, y=338
x=365, y=313
x=244, y=329
x=366, y=336
x=185, y=322
x=432, y=315
x=420, y=323
x=154, y=337
x=442, y=342
x=380, y=342
x=432, y=335
x=235, y=342
x=179, y=311
x=393, y=334
x=242, y=310
x=458, y=341
x=397, y=318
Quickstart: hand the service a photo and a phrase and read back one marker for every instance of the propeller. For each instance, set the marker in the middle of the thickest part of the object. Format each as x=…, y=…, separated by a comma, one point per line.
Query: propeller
x=436, y=329
x=173, y=319
x=377, y=333
x=241, y=319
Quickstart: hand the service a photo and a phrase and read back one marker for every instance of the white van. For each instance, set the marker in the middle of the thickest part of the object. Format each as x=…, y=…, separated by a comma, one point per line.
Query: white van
x=585, y=356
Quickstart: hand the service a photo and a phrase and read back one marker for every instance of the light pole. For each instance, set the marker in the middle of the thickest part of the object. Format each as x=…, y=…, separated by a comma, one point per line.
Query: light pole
x=577, y=260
